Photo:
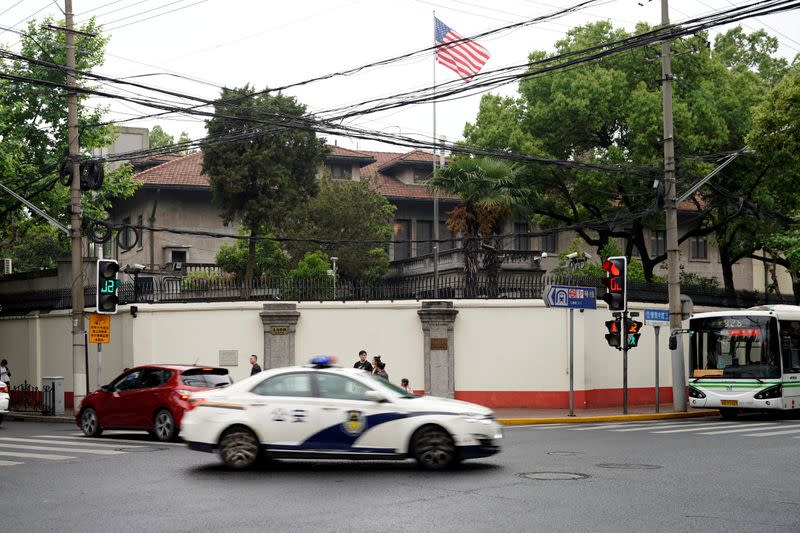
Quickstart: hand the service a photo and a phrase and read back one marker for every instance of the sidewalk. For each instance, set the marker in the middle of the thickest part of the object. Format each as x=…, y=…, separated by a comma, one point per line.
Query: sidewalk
x=515, y=416
x=66, y=418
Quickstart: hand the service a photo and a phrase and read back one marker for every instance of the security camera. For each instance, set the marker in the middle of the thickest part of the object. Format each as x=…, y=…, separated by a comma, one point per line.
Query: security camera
x=544, y=254
x=587, y=255
x=572, y=255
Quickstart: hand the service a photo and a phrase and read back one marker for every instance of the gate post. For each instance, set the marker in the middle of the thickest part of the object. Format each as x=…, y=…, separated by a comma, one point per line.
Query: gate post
x=437, y=327
x=280, y=321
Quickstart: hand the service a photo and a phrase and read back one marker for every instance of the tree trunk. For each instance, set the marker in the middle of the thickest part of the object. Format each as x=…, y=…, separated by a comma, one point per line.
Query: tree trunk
x=727, y=272
x=772, y=267
x=249, y=269
x=796, y=286
x=471, y=248
x=491, y=263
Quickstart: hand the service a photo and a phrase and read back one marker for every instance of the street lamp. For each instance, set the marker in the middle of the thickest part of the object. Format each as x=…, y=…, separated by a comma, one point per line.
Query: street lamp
x=333, y=273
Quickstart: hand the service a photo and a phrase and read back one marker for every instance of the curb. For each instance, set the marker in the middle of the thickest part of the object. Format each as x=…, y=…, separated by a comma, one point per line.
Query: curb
x=605, y=418
x=27, y=417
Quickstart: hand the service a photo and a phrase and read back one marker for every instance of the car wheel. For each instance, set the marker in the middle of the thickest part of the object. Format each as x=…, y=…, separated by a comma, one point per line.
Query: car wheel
x=728, y=414
x=239, y=448
x=434, y=448
x=164, y=426
x=90, y=423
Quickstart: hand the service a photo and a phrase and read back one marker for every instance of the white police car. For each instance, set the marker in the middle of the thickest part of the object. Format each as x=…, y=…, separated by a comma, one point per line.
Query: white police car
x=321, y=411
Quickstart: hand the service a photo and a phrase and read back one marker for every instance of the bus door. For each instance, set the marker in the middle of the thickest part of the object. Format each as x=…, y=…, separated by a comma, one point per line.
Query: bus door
x=790, y=355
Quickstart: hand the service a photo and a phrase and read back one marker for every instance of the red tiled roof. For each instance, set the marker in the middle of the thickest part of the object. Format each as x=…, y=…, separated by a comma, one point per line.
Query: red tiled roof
x=186, y=171
x=417, y=156
x=183, y=172
x=339, y=152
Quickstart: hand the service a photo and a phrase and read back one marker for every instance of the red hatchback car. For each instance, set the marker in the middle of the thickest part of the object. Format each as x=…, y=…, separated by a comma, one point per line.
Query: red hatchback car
x=152, y=397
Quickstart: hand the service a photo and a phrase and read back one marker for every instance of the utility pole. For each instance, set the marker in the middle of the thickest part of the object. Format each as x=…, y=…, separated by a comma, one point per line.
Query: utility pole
x=673, y=257
x=79, y=370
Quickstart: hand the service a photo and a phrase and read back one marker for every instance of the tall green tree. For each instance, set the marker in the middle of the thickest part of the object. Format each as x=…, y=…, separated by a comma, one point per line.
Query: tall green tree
x=33, y=141
x=489, y=192
x=259, y=180
x=610, y=112
x=367, y=217
x=159, y=138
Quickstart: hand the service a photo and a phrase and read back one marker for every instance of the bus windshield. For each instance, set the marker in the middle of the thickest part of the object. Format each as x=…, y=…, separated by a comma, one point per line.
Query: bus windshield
x=735, y=347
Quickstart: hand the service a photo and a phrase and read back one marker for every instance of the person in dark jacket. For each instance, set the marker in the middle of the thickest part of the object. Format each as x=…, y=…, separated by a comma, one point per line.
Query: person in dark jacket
x=362, y=362
x=381, y=371
x=255, y=368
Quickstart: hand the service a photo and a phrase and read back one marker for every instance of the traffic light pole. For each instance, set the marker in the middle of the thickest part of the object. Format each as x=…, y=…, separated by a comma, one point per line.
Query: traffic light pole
x=79, y=371
x=624, y=333
x=673, y=259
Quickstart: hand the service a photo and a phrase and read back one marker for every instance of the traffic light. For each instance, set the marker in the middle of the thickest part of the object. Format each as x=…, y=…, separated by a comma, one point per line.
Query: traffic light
x=107, y=285
x=616, y=283
x=634, y=329
x=613, y=337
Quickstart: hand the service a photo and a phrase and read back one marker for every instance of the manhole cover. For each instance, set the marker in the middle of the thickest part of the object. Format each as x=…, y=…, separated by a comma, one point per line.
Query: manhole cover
x=553, y=476
x=568, y=454
x=629, y=466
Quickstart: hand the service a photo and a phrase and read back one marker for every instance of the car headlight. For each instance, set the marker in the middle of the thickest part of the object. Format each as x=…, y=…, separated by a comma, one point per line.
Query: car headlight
x=475, y=418
x=771, y=392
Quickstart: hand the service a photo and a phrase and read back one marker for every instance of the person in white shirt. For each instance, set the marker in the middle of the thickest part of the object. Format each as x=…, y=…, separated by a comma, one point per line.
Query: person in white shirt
x=5, y=373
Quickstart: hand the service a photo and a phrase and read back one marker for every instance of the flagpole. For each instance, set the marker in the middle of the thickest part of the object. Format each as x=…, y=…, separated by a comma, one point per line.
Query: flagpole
x=435, y=190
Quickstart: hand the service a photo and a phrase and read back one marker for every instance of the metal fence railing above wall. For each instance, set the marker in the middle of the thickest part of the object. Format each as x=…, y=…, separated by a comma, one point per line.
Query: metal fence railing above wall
x=508, y=285
x=31, y=399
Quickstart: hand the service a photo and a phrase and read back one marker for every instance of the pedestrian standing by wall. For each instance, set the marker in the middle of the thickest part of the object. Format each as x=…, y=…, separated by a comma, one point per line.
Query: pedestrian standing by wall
x=376, y=359
x=362, y=362
x=5, y=373
x=382, y=371
x=255, y=369
x=405, y=386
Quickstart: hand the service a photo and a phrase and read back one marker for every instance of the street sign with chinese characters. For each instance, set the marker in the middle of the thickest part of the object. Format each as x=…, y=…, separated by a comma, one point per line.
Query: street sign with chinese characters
x=656, y=317
x=99, y=329
x=568, y=297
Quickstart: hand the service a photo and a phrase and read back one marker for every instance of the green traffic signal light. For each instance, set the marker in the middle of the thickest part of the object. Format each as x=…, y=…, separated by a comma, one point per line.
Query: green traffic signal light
x=107, y=286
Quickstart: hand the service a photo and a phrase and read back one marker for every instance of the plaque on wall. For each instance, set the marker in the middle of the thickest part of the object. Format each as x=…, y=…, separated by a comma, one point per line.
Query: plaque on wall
x=280, y=330
x=229, y=358
x=438, y=343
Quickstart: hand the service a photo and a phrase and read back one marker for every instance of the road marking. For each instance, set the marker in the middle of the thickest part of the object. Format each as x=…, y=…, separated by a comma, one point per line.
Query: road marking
x=537, y=426
x=48, y=457
x=712, y=425
x=650, y=428
x=92, y=440
x=10, y=463
x=633, y=426
x=774, y=433
x=760, y=425
x=67, y=443
x=56, y=449
x=604, y=426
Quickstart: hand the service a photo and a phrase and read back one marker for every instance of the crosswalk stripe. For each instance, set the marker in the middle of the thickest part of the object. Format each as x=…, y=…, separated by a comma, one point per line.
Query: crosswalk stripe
x=604, y=426
x=56, y=449
x=750, y=427
x=650, y=428
x=10, y=463
x=92, y=440
x=695, y=427
x=67, y=443
x=537, y=426
x=46, y=456
x=774, y=433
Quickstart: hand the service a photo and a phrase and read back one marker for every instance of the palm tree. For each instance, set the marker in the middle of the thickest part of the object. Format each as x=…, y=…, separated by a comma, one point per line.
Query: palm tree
x=489, y=194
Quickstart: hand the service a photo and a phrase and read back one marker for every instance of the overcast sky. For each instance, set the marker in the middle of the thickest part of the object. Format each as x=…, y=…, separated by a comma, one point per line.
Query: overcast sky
x=233, y=42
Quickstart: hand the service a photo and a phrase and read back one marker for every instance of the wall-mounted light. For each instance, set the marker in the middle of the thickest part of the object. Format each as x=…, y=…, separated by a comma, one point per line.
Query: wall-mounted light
x=134, y=310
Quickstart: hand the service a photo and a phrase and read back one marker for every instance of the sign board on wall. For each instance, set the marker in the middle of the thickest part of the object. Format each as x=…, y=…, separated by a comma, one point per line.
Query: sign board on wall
x=229, y=358
x=439, y=343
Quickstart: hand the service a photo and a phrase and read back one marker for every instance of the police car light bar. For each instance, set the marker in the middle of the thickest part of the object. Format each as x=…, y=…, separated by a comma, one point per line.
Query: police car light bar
x=323, y=361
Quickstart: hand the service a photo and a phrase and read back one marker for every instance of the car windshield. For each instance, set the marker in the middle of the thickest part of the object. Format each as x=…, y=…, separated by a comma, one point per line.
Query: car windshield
x=206, y=377
x=385, y=384
x=735, y=347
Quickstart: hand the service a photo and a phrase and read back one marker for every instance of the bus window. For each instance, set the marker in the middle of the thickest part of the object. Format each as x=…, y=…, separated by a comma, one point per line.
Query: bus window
x=736, y=347
x=790, y=345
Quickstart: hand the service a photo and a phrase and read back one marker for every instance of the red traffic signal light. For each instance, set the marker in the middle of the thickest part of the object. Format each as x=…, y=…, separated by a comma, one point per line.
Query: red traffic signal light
x=616, y=283
x=613, y=337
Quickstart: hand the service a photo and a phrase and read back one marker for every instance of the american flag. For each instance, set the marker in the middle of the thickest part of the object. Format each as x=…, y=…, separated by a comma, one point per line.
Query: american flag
x=464, y=56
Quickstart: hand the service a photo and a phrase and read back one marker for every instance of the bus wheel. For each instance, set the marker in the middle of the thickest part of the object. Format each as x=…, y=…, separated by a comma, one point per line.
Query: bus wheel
x=728, y=413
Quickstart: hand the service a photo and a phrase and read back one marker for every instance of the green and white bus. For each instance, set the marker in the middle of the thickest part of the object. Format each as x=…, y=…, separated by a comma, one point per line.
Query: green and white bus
x=745, y=360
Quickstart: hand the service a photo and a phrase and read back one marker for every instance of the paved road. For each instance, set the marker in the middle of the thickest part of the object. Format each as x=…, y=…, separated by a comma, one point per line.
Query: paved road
x=699, y=475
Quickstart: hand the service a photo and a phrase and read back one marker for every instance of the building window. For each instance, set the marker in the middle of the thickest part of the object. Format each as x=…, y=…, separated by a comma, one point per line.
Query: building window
x=341, y=172
x=402, y=232
x=550, y=242
x=421, y=175
x=521, y=240
x=698, y=248
x=445, y=236
x=178, y=256
x=139, y=226
x=424, y=233
x=125, y=239
x=658, y=242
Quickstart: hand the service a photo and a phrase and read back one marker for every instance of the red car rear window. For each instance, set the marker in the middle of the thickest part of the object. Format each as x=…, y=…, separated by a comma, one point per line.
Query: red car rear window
x=206, y=377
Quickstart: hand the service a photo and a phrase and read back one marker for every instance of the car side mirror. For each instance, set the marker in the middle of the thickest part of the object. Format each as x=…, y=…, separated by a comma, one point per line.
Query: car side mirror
x=375, y=396
x=107, y=388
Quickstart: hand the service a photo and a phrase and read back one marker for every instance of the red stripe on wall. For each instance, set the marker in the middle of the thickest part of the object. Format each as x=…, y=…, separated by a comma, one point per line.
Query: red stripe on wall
x=69, y=399
x=560, y=399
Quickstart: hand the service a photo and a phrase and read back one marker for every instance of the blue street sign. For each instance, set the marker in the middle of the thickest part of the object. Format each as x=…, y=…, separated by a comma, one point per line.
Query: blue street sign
x=656, y=317
x=567, y=297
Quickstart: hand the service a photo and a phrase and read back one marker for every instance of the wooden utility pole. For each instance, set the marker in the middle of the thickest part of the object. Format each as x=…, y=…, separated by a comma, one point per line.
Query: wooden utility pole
x=79, y=370
x=673, y=253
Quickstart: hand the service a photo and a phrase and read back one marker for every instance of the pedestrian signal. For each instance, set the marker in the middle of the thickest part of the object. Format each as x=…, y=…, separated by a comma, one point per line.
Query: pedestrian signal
x=107, y=286
x=634, y=331
x=613, y=336
x=616, y=283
